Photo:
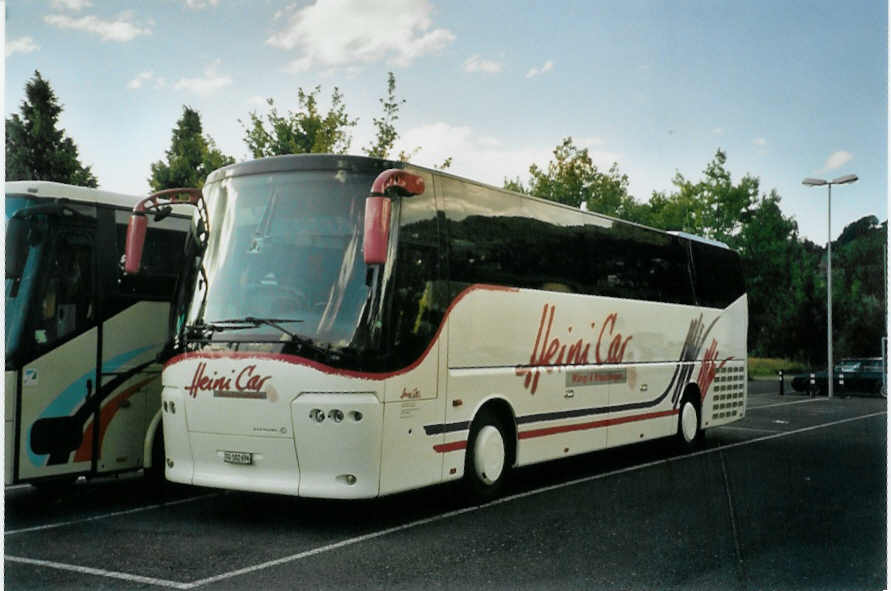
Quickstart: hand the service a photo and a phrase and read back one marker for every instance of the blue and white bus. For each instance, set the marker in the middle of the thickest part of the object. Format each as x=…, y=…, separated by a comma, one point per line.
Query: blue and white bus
x=82, y=375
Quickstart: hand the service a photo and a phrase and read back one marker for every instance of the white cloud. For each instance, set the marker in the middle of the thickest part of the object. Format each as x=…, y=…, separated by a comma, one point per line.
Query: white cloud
x=211, y=82
x=121, y=29
x=144, y=77
x=341, y=33
x=836, y=160
x=718, y=131
x=759, y=141
x=199, y=4
x=482, y=158
x=477, y=64
x=75, y=5
x=589, y=142
x=141, y=78
x=21, y=45
x=258, y=101
x=536, y=71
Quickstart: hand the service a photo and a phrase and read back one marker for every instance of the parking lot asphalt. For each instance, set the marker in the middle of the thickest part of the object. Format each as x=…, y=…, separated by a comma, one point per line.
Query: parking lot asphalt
x=791, y=497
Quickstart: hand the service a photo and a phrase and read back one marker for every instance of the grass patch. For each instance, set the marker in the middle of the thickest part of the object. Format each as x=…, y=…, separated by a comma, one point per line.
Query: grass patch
x=762, y=367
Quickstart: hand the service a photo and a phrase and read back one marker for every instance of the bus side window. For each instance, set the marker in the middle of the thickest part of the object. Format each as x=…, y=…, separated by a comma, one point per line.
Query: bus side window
x=66, y=306
x=162, y=261
x=419, y=296
x=719, y=280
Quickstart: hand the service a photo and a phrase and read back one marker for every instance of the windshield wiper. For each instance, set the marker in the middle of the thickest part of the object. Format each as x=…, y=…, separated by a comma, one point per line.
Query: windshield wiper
x=253, y=322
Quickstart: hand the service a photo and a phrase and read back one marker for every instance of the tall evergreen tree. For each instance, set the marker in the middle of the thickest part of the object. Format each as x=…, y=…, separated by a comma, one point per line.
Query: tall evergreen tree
x=35, y=148
x=191, y=157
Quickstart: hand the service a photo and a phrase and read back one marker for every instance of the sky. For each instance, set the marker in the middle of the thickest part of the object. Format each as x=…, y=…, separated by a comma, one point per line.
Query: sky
x=787, y=89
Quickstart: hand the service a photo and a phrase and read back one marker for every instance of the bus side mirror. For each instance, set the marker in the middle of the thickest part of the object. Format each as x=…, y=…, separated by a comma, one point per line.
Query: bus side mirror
x=377, y=230
x=16, y=247
x=135, y=242
x=159, y=202
x=376, y=238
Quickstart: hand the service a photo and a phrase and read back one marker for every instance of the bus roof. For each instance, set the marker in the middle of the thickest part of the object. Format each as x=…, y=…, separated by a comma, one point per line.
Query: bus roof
x=53, y=190
x=689, y=236
x=302, y=162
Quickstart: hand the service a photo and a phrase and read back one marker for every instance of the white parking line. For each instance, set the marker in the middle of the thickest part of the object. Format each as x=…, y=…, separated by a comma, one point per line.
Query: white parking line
x=108, y=515
x=99, y=572
x=732, y=428
x=787, y=403
x=370, y=536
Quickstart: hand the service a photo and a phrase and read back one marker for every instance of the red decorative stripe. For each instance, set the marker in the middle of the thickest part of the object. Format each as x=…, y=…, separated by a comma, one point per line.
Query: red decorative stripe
x=447, y=447
x=327, y=369
x=595, y=424
x=85, y=451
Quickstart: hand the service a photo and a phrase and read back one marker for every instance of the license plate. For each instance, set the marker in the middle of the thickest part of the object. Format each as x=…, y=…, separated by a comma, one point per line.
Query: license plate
x=238, y=457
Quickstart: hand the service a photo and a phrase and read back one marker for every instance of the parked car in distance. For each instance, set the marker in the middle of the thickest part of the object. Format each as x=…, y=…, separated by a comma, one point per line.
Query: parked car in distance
x=862, y=375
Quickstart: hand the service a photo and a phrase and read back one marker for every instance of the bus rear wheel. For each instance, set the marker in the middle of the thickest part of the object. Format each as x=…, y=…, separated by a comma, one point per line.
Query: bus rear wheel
x=690, y=434
x=486, y=463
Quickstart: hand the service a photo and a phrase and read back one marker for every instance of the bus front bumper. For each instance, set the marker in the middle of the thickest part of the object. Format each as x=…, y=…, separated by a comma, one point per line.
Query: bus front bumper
x=332, y=449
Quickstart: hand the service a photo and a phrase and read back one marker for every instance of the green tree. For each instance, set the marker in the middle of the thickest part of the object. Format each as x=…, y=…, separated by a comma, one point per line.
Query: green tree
x=713, y=207
x=572, y=178
x=516, y=185
x=859, y=297
x=303, y=132
x=386, y=135
x=385, y=126
x=770, y=251
x=191, y=157
x=35, y=148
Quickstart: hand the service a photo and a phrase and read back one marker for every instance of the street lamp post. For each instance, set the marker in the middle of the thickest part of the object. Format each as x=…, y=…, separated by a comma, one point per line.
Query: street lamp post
x=842, y=180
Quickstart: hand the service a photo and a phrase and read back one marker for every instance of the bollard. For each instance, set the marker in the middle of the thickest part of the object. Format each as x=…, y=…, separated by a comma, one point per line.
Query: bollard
x=812, y=386
x=780, y=374
x=841, y=381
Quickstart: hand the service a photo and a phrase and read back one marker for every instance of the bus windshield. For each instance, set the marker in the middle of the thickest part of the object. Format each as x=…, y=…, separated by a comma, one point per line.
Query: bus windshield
x=20, y=290
x=285, y=248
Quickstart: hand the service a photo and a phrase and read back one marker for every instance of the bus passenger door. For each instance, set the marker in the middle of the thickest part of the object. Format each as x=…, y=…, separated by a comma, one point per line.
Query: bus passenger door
x=131, y=382
x=135, y=328
x=57, y=387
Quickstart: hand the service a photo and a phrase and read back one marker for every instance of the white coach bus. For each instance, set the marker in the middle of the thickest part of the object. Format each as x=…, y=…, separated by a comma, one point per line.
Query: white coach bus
x=82, y=384
x=367, y=327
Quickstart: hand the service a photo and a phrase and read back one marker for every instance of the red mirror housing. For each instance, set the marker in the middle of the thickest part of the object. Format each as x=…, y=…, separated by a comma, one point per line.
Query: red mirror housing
x=138, y=224
x=377, y=230
x=135, y=242
x=392, y=182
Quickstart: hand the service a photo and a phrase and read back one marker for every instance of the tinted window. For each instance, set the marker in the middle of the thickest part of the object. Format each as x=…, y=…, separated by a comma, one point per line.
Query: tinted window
x=502, y=239
x=419, y=295
x=163, y=259
x=65, y=306
x=719, y=280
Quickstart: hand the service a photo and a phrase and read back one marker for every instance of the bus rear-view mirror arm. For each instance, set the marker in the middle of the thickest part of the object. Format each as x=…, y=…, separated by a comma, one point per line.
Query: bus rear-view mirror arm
x=160, y=204
x=388, y=184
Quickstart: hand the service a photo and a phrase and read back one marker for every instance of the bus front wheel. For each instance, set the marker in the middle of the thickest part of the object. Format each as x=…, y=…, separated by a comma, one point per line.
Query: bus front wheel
x=486, y=463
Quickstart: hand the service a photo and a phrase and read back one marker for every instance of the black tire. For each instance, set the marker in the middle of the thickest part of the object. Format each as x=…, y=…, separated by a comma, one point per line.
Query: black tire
x=155, y=474
x=690, y=434
x=55, y=488
x=487, y=462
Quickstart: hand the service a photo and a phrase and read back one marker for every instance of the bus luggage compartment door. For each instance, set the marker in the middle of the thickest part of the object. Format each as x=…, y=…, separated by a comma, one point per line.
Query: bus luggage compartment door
x=338, y=440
